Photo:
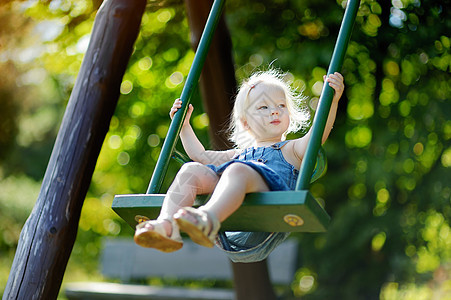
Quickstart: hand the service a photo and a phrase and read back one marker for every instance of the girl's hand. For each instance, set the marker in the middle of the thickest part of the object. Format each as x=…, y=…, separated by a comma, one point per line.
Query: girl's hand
x=175, y=107
x=336, y=82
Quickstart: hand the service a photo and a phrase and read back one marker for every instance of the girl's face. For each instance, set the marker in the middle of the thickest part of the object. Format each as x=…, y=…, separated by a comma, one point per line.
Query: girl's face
x=267, y=116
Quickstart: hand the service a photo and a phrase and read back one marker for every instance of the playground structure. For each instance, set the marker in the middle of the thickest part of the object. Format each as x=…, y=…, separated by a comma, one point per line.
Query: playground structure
x=271, y=211
x=48, y=236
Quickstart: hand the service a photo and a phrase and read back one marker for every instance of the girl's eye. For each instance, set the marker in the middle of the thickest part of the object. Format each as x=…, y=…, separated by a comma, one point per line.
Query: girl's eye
x=263, y=107
x=282, y=105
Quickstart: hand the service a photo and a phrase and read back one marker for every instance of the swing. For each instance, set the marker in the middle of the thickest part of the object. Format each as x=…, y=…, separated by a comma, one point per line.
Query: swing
x=274, y=211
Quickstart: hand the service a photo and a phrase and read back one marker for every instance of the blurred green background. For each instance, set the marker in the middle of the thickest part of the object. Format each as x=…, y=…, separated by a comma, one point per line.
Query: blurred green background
x=387, y=188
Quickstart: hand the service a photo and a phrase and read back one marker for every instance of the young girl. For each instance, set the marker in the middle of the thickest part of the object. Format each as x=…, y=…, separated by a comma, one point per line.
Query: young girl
x=266, y=110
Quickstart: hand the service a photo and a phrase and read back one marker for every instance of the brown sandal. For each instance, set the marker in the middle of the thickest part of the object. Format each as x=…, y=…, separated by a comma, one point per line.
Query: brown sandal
x=205, y=228
x=151, y=234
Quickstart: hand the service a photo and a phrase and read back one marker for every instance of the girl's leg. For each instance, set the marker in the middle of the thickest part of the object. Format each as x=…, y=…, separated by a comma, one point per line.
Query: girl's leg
x=163, y=233
x=192, y=179
x=202, y=224
x=237, y=180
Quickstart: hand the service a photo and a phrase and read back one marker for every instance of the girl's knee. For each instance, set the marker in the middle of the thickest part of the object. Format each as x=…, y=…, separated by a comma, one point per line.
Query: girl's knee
x=247, y=176
x=187, y=172
x=196, y=173
x=190, y=167
x=239, y=169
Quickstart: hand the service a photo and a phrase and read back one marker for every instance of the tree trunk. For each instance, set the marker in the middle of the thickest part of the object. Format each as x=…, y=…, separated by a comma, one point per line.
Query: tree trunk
x=217, y=81
x=252, y=281
x=48, y=236
x=218, y=88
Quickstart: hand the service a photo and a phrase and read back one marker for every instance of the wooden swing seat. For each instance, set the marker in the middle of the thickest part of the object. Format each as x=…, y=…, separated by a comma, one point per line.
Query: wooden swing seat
x=276, y=211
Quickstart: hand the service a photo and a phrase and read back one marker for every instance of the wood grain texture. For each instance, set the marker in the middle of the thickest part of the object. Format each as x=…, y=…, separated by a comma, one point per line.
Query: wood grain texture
x=48, y=236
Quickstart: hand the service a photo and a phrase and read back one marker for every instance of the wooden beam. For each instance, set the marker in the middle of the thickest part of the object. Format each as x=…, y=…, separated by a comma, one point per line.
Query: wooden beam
x=48, y=236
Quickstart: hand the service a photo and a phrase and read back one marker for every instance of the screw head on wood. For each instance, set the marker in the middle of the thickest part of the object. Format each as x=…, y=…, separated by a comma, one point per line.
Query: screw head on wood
x=293, y=220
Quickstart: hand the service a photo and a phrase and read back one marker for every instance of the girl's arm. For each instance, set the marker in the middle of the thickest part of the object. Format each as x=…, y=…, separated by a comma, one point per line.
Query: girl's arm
x=336, y=82
x=193, y=147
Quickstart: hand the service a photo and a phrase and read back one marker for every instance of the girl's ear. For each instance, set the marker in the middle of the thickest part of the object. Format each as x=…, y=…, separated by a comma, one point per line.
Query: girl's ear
x=244, y=123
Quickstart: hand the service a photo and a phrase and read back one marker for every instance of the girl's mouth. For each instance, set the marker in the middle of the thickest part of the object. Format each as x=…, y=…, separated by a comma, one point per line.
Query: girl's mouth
x=275, y=122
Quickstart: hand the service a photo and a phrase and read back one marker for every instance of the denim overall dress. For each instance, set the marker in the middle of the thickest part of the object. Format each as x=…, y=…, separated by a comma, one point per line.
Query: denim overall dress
x=279, y=175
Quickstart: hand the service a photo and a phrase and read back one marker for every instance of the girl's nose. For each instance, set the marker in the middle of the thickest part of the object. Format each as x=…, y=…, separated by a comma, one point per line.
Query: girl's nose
x=275, y=111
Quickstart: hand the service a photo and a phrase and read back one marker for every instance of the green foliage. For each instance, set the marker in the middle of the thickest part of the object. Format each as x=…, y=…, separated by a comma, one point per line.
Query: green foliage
x=387, y=187
x=17, y=196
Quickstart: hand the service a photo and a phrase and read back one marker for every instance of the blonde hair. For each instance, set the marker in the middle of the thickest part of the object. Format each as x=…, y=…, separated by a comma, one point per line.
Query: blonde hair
x=299, y=115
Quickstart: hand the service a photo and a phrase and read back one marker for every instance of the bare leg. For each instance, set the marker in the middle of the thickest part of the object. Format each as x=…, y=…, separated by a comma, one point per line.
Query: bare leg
x=192, y=179
x=163, y=234
x=237, y=180
x=203, y=224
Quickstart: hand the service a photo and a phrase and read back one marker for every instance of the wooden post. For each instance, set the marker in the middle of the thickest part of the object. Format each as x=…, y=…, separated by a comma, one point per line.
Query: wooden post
x=218, y=88
x=252, y=281
x=217, y=81
x=48, y=236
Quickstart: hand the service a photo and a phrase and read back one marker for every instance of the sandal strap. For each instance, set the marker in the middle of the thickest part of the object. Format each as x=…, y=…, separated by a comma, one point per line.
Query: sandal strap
x=159, y=228
x=213, y=223
x=207, y=222
x=170, y=219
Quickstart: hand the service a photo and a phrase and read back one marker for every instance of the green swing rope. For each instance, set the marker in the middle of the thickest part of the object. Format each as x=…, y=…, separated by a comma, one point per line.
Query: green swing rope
x=193, y=77
x=319, y=122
